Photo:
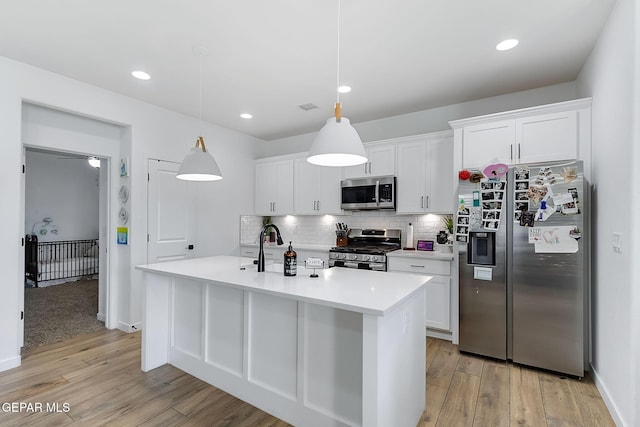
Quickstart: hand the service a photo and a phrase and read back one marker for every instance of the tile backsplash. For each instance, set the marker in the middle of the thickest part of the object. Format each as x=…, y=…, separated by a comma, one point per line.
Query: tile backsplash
x=320, y=230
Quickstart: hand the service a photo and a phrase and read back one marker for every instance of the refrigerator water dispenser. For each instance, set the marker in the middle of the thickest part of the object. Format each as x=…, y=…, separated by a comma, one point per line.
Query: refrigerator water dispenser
x=482, y=248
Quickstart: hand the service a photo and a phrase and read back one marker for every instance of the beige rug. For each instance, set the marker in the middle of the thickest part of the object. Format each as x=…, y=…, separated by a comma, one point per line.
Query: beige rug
x=55, y=313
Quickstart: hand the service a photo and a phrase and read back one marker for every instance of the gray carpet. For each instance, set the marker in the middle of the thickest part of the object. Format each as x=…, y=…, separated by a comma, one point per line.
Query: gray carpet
x=59, y=312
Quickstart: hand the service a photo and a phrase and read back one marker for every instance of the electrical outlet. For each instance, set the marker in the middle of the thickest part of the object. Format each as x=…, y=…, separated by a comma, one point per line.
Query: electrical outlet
x=616, y=242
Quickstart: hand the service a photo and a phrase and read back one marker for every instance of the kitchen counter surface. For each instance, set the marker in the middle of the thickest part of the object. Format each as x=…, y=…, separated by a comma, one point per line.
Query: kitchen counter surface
x=362, y=291
x=446, y=256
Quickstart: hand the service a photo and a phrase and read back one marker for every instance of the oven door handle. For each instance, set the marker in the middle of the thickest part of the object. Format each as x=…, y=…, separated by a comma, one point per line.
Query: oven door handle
x=377, y=193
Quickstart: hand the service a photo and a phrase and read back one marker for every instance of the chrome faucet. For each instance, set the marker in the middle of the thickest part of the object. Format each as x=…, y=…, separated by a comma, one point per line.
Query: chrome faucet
x=261, y=253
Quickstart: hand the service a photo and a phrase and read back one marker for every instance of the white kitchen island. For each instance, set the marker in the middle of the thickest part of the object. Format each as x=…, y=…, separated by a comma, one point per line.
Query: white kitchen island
x=346, y=348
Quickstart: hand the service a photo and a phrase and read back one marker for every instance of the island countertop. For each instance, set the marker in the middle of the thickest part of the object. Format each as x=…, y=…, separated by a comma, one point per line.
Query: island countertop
x=362, y=291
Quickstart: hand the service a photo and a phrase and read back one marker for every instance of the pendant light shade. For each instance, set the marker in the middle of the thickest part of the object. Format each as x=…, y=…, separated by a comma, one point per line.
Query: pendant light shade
x=199, y=165
x=337, y=143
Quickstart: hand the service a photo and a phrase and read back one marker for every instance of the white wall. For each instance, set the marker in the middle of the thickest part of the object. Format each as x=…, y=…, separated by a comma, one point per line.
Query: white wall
x=610, y=79
x=433, y=120
x=66, y=190
x=146, y=132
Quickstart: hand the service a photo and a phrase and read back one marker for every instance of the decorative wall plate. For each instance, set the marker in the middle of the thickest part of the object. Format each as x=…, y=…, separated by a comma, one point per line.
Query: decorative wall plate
x=124, y=194
x=123, y=215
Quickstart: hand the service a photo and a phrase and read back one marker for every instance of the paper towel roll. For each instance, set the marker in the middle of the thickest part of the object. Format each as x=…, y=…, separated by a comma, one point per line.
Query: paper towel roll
x=408, y=241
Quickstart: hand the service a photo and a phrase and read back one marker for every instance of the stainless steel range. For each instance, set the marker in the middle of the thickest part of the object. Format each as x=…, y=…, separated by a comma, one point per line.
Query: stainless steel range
x=366, y=249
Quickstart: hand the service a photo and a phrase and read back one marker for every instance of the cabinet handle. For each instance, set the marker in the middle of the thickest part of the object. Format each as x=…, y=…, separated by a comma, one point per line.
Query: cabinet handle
x=427, y=202
x=422, y=202
x=369, y=167
x=318, y=204
x=365, y=168
x=518, y=151
x=416, y=266
x=314, y=205
x=511, y=152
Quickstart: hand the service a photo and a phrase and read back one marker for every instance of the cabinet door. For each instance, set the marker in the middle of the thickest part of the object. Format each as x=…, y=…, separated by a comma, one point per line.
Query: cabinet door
x=437, y=315
x=305, y=187
x=329, y=192
x=381, y=161
x=283, y=188
x=264, y=182
x=274, y=188
x=316, y=189
x=410, y=192
x=482, y=144
x=440, y=177
x=547, y=137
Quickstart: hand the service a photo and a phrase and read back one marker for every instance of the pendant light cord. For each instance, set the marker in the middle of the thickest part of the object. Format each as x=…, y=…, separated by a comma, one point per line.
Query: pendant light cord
x=338, y=60
x=200, y=116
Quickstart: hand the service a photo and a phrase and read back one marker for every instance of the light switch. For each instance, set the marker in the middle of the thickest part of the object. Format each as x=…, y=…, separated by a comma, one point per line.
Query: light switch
x=616, y=242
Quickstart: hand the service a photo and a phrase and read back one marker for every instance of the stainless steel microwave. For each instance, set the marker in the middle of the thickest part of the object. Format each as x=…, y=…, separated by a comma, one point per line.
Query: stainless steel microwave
x=369, y=193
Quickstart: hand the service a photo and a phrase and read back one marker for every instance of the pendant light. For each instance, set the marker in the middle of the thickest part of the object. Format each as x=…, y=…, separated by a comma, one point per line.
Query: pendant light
x=199, y=165
x=337, y=143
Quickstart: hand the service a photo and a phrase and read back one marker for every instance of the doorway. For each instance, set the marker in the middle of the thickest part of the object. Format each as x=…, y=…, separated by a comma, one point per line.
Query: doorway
x=65, y=206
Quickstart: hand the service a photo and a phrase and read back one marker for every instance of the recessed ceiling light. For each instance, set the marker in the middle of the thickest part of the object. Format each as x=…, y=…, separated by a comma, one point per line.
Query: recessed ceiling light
x=140, y=75
x=246, y=115
x=344, y=89
x=507, y=44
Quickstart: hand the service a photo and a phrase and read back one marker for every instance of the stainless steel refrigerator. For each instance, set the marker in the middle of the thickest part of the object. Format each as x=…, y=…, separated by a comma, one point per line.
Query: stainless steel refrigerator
x=523, y=266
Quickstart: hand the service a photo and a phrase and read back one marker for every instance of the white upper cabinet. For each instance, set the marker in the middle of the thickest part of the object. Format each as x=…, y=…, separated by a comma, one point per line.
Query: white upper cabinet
x=425, y=174
x=381, y=161
x=538, y=134
x=274, y=187
x=547, y=137
x=487, y=142
x=316, y=189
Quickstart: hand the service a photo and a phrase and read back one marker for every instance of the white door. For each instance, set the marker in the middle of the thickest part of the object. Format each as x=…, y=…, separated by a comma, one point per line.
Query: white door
x=171, y=214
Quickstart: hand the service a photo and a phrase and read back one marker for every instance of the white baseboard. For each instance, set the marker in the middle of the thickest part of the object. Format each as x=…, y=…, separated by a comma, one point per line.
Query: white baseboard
x=443, y=335
x=125, y=327
x=611, y=406
x=10, y=363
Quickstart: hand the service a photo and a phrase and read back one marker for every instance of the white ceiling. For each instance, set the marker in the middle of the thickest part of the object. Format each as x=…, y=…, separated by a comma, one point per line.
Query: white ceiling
x=269, y=57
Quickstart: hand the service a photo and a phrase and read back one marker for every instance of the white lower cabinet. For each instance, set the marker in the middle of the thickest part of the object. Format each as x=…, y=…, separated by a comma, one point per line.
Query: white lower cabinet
x=270, y=252
x=276, y=253
x=438, y=293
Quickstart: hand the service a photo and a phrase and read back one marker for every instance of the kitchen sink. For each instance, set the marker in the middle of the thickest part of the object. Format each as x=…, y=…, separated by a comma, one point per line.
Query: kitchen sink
x=275, y=267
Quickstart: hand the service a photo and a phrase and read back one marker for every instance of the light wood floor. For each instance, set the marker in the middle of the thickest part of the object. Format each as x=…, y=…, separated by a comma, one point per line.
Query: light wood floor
x=98, y=375
x=465, y=390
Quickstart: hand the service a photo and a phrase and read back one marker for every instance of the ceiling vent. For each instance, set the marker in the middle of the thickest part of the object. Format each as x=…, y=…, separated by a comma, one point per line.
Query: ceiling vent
x=307, y=107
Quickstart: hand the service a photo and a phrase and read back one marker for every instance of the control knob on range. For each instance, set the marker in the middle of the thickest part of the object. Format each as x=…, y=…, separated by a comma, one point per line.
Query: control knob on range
x=366, y=257
x=352, y=256
x=342, y=256
x=374, y=258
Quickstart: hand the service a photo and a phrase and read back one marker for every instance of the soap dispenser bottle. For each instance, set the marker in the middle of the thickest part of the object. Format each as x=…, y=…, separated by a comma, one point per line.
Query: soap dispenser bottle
x=290, y=262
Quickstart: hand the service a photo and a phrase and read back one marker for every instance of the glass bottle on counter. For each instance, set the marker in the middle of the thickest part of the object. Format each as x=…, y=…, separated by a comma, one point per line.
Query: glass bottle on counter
x=290, y=262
